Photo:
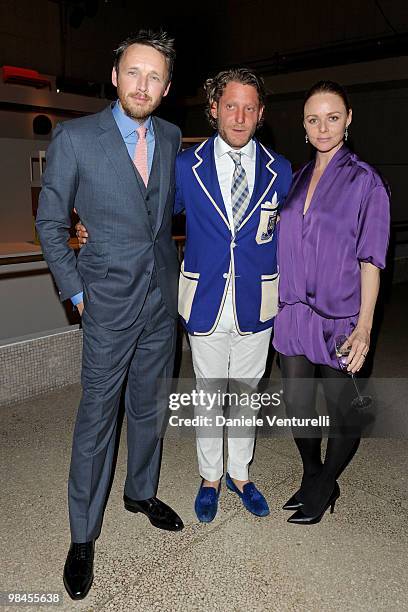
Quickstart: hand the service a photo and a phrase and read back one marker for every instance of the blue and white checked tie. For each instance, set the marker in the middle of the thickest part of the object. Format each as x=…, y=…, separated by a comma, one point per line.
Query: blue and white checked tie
x=239, y=189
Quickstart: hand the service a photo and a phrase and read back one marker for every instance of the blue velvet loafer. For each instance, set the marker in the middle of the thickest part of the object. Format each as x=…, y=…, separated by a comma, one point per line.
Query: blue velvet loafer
x=206, y=503
x=252, y=499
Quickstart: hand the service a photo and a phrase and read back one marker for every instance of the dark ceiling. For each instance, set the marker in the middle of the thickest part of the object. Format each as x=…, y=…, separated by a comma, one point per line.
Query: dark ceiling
x=74, y=39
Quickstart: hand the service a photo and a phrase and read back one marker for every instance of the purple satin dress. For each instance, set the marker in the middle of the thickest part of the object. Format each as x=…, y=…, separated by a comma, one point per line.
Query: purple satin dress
x=319, y=254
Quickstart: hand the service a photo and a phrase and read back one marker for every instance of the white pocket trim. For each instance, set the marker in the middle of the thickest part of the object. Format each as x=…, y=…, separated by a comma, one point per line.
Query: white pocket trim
x=269, y=298
x=271, y=205
x=188, y=282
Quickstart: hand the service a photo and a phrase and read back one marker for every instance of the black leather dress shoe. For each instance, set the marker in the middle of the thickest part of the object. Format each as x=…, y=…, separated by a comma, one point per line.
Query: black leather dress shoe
x=159, y=514
x=78, y=569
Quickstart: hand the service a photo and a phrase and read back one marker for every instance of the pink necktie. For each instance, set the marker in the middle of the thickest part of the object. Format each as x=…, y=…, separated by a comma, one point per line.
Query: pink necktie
x=140, y=158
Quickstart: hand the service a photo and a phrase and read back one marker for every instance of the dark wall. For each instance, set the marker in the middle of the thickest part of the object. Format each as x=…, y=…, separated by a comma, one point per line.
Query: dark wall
x=208, y=36
x=259, y=28
x=39, y=34
x=277, y=38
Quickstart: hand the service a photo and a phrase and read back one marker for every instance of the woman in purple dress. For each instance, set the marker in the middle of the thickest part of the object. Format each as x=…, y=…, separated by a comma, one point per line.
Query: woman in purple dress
x=333, y=238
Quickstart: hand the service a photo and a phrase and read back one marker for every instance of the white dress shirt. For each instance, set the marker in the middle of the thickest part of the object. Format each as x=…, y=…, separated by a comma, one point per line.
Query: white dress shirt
x=225, y=170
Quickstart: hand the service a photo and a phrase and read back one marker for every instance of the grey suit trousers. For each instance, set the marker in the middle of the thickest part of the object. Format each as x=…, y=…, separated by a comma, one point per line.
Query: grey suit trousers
x=145, y=353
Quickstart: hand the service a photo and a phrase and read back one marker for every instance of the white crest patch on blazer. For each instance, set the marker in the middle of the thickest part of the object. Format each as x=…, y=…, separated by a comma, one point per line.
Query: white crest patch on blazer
x=267, y=220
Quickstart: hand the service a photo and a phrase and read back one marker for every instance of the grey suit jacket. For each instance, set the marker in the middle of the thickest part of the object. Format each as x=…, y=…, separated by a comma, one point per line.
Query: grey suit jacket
x=89, y=168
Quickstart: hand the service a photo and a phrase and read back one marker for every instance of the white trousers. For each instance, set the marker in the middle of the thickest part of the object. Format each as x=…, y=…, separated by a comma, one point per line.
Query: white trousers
x=218, y=357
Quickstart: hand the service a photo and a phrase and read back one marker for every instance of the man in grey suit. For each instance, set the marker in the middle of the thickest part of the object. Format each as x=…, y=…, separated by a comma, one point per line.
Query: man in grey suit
x=117, y=169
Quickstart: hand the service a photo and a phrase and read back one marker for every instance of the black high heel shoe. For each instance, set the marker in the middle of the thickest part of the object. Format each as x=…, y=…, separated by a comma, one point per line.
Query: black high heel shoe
x=300, y=518
x=293, y=503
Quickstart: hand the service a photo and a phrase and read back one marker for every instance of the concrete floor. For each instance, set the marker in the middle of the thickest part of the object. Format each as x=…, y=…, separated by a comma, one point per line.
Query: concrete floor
x=354, y=560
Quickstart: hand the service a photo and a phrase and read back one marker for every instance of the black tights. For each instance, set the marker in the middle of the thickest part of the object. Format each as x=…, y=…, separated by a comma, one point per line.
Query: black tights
x=299, y=387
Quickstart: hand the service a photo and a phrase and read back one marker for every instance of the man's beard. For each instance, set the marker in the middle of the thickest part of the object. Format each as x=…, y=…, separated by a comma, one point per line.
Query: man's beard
x=224, y=135
x=136, y=111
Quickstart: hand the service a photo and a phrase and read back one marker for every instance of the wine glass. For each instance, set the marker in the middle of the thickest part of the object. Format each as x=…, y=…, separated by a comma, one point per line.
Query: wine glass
x=343, y=348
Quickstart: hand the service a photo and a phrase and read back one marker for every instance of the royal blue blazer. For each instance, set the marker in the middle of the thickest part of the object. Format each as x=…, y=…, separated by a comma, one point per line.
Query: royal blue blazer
x=214, y=256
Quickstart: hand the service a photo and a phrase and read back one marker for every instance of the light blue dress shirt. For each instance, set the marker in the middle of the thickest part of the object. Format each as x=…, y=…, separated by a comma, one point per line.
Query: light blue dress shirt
x=127, y=128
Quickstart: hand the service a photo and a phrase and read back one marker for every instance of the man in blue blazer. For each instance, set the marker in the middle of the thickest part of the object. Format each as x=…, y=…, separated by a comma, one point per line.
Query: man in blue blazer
x=231, y=188
x=117, y=169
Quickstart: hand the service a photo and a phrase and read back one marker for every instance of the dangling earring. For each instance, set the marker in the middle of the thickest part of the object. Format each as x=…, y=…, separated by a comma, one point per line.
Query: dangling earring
x=346, y=133
x=306, y=139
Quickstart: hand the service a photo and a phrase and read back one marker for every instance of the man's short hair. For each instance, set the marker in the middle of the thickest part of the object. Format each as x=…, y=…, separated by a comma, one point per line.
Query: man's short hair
x=160, y=41
x=214, y=88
